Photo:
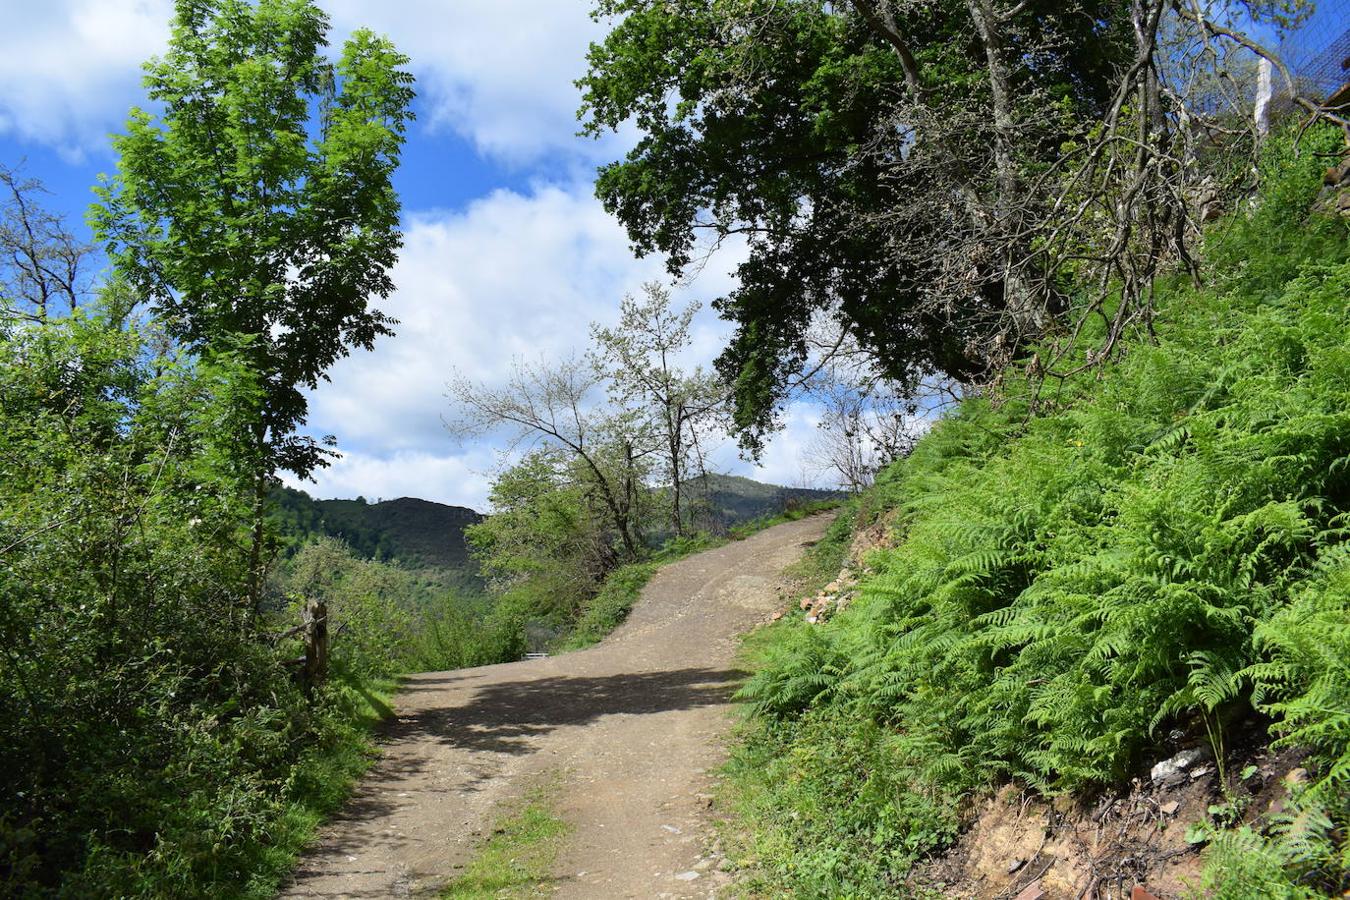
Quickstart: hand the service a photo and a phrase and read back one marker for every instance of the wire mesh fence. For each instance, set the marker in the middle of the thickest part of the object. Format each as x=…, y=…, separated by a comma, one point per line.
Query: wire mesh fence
x=1317, y=51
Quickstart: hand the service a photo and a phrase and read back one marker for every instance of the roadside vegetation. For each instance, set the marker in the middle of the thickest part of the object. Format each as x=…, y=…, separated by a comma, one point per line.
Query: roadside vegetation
x=155, y=740
x=1054, y=229
x=1076, y=571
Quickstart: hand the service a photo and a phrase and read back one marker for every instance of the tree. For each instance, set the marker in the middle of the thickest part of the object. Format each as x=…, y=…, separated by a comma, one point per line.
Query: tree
x=41, y=263
x=544, y=530
x=639, y=357
x=256, y=212
x=951, y=180
x=863, y=426
x=861, y=181
x=554, y=406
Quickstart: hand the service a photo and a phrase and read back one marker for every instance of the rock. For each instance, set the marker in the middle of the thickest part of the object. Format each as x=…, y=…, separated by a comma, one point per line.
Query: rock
x=1015, y=865
x=1296, y=777
x=691, y=875
x=1170, y=807
x=1200, y=772
x=1173, y=771
x=831, y=588
x=1140, y=894
x=776, y=616
x=726, y=865
x=703, y=865
x=807, y=602
x=1033, y=891
x=1338, y=174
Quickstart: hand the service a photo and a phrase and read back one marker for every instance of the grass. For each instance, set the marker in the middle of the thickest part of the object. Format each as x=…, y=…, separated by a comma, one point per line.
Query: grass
x=821, y=564
x=322, y=780
x=516, y=861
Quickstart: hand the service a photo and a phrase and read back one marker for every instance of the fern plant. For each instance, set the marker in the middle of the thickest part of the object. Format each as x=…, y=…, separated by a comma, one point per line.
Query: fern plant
x=1166, y=543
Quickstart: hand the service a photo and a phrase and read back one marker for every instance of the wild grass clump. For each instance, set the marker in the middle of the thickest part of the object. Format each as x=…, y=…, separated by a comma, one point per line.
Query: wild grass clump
x=517, y=861
x=1085, y=566
x=610, y=606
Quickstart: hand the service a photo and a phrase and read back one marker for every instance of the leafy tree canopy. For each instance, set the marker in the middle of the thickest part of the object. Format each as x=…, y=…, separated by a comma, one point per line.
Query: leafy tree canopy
x=254, y=207
x=950, y=181
x=782, y=123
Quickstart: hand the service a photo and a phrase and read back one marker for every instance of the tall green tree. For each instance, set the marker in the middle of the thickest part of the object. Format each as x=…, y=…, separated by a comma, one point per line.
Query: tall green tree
x=948, y=180
x=253, y=206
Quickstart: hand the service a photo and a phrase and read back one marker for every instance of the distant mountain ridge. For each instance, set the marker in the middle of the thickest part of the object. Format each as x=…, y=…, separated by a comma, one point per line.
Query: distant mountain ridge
x=415, y=532
x=426, y=534
x=730, y=500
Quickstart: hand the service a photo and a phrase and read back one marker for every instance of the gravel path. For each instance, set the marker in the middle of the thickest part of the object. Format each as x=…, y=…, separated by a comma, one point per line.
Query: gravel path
x=631, y=728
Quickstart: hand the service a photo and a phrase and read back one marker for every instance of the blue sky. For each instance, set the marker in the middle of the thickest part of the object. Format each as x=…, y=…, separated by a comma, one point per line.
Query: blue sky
x=507, y=251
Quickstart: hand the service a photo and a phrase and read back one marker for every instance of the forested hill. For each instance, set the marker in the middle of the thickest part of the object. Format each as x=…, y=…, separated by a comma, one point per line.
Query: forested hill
x=732, y=499
x=415, y=532
x=423, y=533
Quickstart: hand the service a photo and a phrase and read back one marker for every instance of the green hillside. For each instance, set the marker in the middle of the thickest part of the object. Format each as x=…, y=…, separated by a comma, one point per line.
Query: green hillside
x=419, y=533
x=729, y=500
x=1076, y=584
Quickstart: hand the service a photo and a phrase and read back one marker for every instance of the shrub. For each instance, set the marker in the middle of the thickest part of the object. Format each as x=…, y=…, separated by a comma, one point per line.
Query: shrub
x=145, y=734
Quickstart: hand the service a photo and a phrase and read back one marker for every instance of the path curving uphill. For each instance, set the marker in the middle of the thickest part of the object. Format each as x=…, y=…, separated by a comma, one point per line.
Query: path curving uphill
x=630, y=727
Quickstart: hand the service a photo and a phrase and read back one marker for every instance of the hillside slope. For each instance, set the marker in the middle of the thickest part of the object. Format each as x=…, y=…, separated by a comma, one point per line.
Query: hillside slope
x=1080, y=583
x=416, y=532
x=729, y=500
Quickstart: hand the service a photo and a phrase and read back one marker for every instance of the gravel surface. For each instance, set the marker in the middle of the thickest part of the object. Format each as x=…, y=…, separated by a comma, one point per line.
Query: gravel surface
x=630, y=728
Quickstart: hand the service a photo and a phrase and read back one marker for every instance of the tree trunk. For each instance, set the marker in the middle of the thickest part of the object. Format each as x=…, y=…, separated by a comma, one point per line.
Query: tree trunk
x=676, y=478
x=1027, y=315
x=316, y=644
x=258, y=532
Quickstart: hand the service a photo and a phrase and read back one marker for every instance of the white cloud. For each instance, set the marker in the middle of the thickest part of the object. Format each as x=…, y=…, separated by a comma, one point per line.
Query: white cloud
x=69, y=70
x=512, y=276
x=499, y=72
x=456, y=480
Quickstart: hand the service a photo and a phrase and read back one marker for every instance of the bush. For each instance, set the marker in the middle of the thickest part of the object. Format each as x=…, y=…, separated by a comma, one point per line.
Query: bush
x=146, y=736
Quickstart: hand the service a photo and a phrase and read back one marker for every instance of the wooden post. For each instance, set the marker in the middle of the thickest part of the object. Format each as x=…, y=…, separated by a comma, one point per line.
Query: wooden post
x=316, y=643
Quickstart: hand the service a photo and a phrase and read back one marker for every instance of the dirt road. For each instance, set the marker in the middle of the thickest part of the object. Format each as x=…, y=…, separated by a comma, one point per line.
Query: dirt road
x=631, y=727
